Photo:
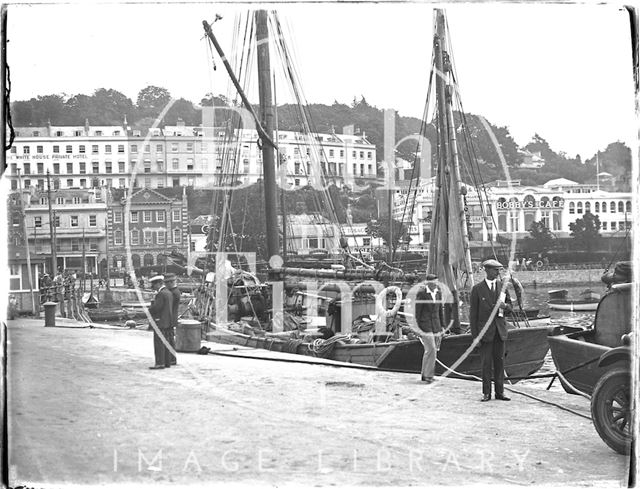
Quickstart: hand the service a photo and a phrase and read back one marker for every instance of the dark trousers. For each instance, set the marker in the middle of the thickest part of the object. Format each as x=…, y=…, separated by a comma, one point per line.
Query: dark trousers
x=162, y=354
x=171, y=337
x=492, y=358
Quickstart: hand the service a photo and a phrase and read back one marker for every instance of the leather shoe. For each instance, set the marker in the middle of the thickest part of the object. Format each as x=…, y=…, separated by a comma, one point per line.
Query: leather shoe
x=503, y=398
x=156, y=367
x=485, y=398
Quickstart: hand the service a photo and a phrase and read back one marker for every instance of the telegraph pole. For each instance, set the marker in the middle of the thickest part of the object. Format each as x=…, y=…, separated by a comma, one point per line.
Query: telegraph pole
x=52, y=229
x=26, y=243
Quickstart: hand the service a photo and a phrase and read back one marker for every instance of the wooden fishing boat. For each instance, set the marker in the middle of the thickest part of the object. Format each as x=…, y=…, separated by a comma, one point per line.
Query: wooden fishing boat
x=393, y=350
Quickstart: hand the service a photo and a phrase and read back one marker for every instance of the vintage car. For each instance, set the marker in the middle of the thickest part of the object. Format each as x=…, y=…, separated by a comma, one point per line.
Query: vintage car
x=597, y=362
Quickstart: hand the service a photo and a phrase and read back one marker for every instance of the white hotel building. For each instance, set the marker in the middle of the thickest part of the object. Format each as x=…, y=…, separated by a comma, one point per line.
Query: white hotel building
x=120, y=156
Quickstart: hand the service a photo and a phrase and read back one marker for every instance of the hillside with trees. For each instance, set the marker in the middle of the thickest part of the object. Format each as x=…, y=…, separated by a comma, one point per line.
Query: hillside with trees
x=110, y=107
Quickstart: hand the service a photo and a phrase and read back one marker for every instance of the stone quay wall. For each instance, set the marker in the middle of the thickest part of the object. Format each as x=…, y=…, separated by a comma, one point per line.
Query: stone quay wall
x=555, y=277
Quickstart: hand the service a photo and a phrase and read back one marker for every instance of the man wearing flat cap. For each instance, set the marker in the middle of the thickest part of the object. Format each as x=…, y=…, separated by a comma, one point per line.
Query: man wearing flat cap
x=430, y=318
x=489, y=302
x=171, y=283
x=161, y=311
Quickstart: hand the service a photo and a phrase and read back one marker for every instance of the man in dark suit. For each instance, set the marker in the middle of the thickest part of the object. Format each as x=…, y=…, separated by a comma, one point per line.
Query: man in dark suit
x=171, y=283
x=430, y=318
x=161, y=311
x=489, y=303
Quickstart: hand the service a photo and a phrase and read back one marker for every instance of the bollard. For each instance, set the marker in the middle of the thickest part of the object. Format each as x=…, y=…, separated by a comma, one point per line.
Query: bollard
x=50, y=313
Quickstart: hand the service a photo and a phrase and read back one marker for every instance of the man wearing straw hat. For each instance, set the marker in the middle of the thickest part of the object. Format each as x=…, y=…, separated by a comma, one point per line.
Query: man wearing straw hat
x=488, y=304
x=161, y=311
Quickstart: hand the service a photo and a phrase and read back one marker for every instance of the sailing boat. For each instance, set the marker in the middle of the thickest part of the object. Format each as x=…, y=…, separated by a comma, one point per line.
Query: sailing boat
x=449, y=258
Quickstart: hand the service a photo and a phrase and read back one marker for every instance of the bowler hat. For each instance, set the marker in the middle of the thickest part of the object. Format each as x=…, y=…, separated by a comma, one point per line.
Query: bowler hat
x=156, y=278
x=492, y=264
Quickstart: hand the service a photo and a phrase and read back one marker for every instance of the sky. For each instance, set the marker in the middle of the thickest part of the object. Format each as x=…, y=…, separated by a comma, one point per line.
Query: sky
x=562, y=71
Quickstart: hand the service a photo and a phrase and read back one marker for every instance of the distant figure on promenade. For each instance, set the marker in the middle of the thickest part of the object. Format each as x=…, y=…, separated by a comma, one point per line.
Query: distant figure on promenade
x=485, y=296
x=171, y=283
x=430, y=318
x=161, y=311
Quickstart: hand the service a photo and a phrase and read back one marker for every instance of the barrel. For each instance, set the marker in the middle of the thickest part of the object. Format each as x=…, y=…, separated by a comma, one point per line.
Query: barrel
x=50, y=313
x=188, y=335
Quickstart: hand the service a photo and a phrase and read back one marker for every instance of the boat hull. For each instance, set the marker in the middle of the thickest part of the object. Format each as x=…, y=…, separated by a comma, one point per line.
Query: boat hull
x=568, y=305
x=525, y=348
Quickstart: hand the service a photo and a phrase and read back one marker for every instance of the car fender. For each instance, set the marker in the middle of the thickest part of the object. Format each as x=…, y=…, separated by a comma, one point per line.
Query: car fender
x=619, y=354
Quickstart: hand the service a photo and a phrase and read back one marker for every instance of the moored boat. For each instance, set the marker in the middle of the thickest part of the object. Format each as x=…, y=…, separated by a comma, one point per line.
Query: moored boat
x=588, y=301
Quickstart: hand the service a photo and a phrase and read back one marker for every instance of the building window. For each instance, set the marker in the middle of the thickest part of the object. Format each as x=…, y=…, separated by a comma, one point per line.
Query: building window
x=587, y=207
x=160, y=216
x=107, y=167
x=43, y=201
x=109, y=184
x=160, y=164
x=121, y=148
x=41, y=169
x=56, y=148
x=597, y=207
x=117, y=217
x=121, y=182
x=613, y=226
x=117, y=237
x=75, y=244
x=572, y=207
x=69, y=168
x=56, y=168
x=134, y=148
x=39, y=149
x=93, y=221
x=146, y=216
x=81, y=149
x=147, y=148
x=175, y=163
x=147, y=182
x=148, y=239
x=135, y=237
x=620, y=204
x=604, y=225
x=579, y=208
x=134, y=216
x=158, y=148
x=628, y=206
x=37, y=221
x=74, y=221
x=93, y=245
x=69, y=182
x=95, y=167
x=68, y=149
x=147, y=166
x=160, y=237
x=190, y=164
x=56, y=184
x=175, y=215
x=83, y=168
x=174, y=147
x=14, y=167
x=27, y=183
x=94, y=149
x=177, y=236
x=77, y=200
x=26, y=150
x=612, y=207
x=27, y=168
x=120, y=166
x=107, y=148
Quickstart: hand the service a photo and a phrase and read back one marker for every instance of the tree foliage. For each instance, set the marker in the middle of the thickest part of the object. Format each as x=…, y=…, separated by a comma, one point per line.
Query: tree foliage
x=152, y=99
x=585, y=231
x=540, y=239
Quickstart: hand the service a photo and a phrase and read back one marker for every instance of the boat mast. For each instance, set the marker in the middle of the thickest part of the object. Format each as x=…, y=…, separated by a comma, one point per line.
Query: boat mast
x=456, y=179
x=267, y=119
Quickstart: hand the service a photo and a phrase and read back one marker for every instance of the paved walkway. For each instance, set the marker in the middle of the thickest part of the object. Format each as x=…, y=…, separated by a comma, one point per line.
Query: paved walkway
x=85, y=409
